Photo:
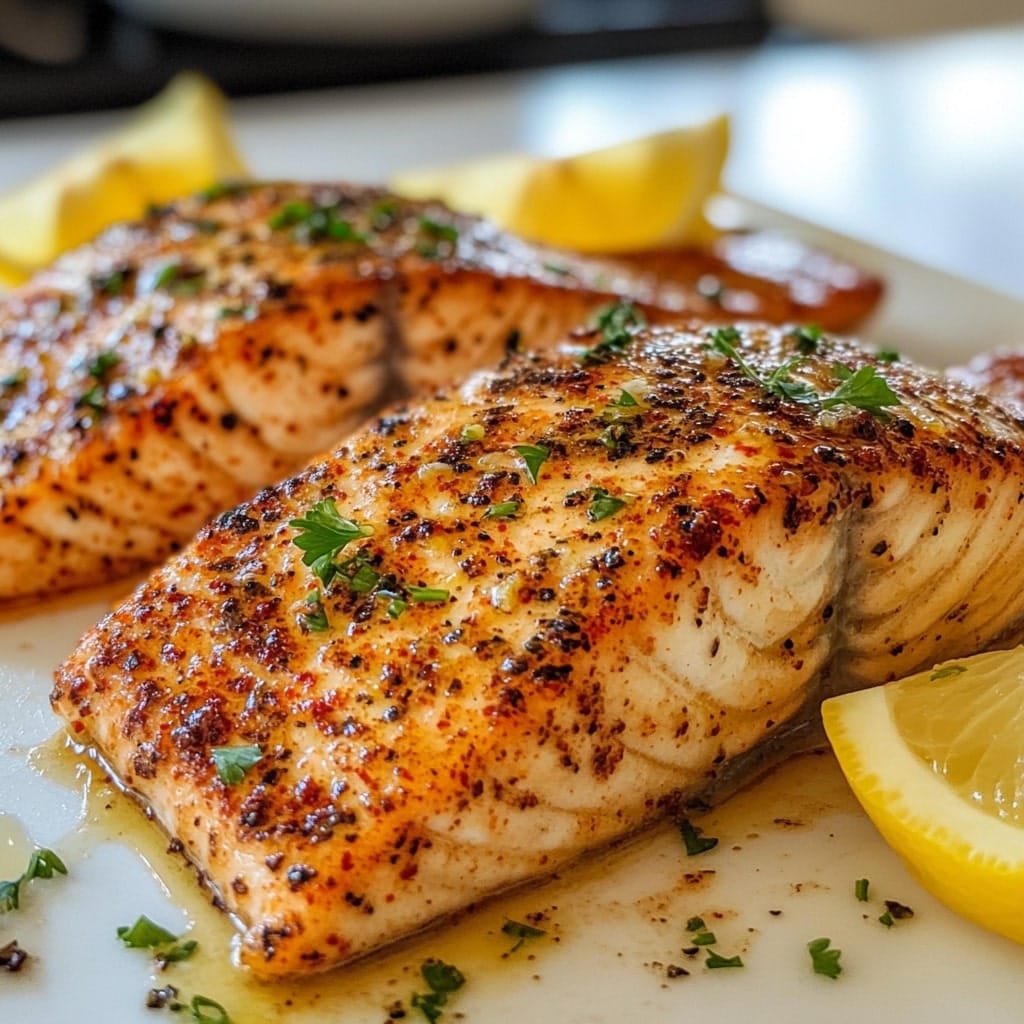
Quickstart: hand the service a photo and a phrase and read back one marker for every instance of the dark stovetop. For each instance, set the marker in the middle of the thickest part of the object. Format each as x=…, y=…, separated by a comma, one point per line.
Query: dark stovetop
x=100, y=58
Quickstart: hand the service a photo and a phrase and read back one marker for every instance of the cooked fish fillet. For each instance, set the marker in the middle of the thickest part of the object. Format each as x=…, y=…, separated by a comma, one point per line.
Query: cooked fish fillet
x=999, y=374
x=168, y=370
x=512, y=658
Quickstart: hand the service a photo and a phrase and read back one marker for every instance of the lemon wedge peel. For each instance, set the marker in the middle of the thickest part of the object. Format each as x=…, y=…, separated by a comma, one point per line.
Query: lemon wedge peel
x=176, y=143
x=971, y=860
x=645, y=193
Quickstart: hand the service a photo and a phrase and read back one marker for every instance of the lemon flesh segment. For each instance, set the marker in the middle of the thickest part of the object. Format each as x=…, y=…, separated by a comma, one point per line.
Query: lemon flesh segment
x=971, y=859
x=641, y=194
x=175, y=144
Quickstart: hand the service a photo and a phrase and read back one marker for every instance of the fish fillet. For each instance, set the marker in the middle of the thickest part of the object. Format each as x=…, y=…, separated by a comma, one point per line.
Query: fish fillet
x=169, y=369
x=574, y=592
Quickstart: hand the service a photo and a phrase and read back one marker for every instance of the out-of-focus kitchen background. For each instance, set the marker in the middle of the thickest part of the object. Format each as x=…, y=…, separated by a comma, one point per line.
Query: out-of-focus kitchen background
x=897, y=121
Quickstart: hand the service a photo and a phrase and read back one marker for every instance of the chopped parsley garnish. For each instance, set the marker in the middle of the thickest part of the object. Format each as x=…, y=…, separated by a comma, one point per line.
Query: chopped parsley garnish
x=823, y=959
x=111, y=284
x=946, y=672
x=888, y=355
x=42, y=864
x=14, y=380
x=438, y=229
x=806, y=338
x=145, y=934
x=358, y=573
x=534, y=456
x=315, y=223
x=625, y=407
x=324, y=532
x=694, y=839
x=442, y=979
x=556, y=268
x=715, y=960
x=704, y=939
x=221, y=189
x=427, y=595
x=778, y=382
x=503, y=510
x=94, y=398
x=602, y=504
x=863, y=389
x=887, y=919
x=436, y=238
x=860, y=889
x=246, y=311
x=521, y=932
x=616, y=324
x=232, y=763
x=103, y=364
x=472, y=432
x=383, y=213
x=206, y=1011
x=314, y=618
x=179, y=279
x=695, y=924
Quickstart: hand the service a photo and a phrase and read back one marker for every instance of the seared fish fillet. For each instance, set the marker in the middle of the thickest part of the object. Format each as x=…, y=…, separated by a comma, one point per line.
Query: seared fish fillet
x=539, y=612
x=169, y=369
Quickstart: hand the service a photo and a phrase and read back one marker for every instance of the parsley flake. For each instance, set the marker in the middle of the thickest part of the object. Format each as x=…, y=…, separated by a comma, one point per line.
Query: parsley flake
x=534, y=456
x=323, y=533
x=207, y=1011
x=314, y=618
x=103, y=364
x=946, y=672
x=888, y=355
x=823, y=959
x=715, y=960
x=232, y=763
x=111, y=283
x=806, y=338
x=694, y=839
x=616, y=323
x=602, y=504
x=503, y=510
x=425, y=595
x=315, y=222
x=860, y=889
x=695, y=924
x=145, y=934
x=442, y=979
x=42, y=864
x=436, y=238
x=16, y=379
x=863, y=389
x=704, y=939
x=521, y=932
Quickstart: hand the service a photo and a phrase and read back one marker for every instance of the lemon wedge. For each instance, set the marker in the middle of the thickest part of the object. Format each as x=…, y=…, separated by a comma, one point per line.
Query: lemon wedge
x=937, y=761
x=177, y=143
x=641, y=194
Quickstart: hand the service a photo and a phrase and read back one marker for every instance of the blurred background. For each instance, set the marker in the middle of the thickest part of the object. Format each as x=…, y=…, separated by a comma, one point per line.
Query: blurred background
x=893, y=121
x=58, y=56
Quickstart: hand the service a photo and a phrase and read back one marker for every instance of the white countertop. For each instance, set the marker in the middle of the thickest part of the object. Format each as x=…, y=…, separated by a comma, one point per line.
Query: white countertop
x=916, y=146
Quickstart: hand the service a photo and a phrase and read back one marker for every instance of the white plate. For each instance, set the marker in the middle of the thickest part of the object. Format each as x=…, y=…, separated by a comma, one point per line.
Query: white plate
x=783, y=873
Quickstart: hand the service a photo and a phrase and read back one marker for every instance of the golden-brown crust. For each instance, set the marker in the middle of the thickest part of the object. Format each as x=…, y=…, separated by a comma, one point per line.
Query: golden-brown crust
x=261, y=322
x=582, y=670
